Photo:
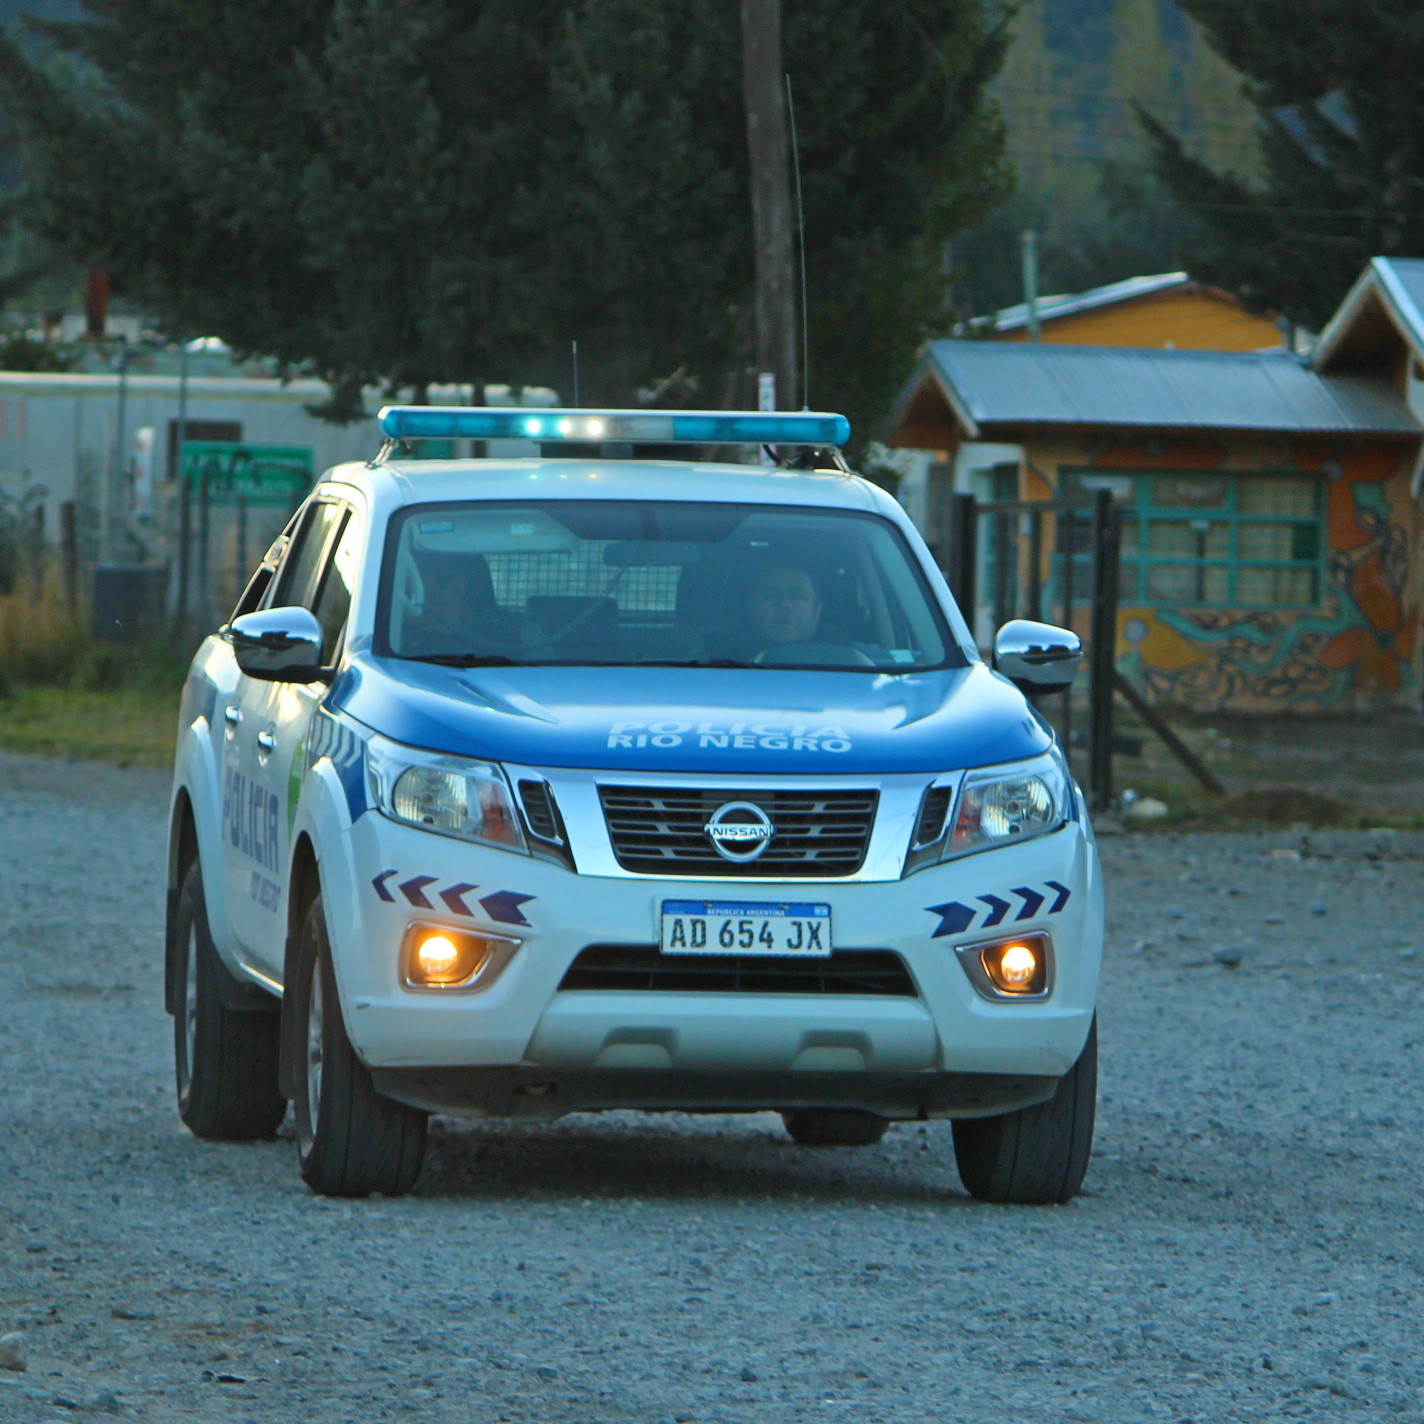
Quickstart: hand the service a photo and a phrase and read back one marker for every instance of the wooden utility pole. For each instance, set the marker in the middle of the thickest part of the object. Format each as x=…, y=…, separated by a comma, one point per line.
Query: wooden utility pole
x=1030, y=283
x=765, y=99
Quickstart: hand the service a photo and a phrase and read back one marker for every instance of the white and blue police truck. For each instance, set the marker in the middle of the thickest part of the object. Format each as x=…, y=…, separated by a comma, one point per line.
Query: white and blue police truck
x=610, y=779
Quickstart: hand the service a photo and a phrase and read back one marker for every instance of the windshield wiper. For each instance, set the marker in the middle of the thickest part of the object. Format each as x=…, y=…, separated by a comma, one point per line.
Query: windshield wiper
x=463, y=660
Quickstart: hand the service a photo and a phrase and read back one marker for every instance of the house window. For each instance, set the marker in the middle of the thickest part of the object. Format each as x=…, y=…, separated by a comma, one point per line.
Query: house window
x=1226, y=541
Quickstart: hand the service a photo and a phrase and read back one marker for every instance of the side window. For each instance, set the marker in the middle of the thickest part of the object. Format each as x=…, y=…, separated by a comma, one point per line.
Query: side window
x=333, y=600
x=261, y=579
x=296, y=581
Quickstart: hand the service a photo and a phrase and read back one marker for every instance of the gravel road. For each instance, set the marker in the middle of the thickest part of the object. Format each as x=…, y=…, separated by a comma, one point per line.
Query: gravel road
x=1247, y=1246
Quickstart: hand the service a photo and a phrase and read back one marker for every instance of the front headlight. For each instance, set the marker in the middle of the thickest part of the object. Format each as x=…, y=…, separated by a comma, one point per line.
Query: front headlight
x=447, y=794
x=1009, y=805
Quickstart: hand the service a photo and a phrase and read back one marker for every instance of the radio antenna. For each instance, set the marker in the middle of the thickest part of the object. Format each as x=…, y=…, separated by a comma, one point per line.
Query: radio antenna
x=801, y=235
x=574, y=344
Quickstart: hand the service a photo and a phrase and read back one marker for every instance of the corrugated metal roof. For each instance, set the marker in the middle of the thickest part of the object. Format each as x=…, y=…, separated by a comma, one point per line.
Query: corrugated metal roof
x=998, y=383
x=1014, y=317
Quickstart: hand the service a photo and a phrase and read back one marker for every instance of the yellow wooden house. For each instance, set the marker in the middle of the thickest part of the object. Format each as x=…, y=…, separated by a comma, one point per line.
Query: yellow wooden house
x=1273, y=533
x=1167, y=310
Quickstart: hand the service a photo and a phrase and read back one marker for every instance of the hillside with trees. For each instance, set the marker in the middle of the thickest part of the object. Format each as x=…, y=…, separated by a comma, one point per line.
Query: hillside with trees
x=523, y=176
x=1075, y=75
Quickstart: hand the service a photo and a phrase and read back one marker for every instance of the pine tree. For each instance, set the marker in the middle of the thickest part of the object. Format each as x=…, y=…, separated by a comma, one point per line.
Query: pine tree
x=412, y=191
x=1339, y=93
x=1026, y=87
x=1217, y=118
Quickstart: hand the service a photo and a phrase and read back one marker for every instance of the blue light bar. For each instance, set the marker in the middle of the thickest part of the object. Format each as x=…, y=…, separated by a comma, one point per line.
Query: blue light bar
x=626, y=427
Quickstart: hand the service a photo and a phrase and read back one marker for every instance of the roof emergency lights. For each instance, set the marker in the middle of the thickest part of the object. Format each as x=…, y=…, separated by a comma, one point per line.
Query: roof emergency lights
x=632, y=427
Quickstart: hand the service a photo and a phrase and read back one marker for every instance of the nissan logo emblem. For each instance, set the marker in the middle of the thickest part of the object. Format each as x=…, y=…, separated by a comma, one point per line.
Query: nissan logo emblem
x=739, y=831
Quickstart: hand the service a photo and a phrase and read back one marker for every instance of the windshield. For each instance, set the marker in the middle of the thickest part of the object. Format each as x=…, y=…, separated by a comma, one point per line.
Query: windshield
x=647, y=583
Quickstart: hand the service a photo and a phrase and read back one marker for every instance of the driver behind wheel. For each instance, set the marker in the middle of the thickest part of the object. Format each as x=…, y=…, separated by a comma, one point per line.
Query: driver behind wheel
x=458, y=613
x=783, y=605
x=784, y=616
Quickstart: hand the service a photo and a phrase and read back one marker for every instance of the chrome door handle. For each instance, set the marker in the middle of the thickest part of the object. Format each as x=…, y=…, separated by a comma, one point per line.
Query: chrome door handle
x=267, y=741
x=232, y=715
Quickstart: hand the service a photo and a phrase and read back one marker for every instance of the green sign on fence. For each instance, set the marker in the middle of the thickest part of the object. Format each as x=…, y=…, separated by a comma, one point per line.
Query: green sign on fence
x=255, y=474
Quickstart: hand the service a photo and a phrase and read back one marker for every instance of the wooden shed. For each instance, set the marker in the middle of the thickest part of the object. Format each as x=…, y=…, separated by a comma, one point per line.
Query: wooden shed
x=1167, y=310
x=1273, y=547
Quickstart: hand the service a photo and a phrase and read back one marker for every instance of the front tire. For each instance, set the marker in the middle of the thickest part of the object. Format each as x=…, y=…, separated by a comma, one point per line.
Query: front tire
x=225, y=1061
x=350, y=1140
x=834, y=1127
x=1037, y=1155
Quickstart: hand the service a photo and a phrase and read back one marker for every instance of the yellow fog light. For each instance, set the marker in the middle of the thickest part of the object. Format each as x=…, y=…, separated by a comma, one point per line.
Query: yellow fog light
x=436, y=957
x=1016, y=967
x=1019, y=968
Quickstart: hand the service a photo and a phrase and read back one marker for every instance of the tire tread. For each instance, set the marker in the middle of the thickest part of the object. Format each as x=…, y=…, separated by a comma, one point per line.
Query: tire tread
x=1038, y=1155
x=232, y=1092
x=364, y=1142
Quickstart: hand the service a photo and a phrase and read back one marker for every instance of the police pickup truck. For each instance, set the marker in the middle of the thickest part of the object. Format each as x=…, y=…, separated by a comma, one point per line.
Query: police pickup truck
x=520, y=787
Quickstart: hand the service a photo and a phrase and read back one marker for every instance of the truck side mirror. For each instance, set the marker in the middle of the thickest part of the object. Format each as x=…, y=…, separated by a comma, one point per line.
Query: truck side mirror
x=1037, y=657
x=277, y=645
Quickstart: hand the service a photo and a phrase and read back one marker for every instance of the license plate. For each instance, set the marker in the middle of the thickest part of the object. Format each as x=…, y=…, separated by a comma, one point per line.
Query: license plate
x=794, y=930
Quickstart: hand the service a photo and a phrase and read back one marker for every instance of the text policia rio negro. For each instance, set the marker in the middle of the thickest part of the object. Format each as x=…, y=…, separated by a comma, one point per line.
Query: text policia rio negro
x=764, y=736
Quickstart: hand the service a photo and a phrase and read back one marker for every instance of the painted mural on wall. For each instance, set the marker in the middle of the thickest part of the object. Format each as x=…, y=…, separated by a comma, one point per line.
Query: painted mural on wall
x=1357, y=647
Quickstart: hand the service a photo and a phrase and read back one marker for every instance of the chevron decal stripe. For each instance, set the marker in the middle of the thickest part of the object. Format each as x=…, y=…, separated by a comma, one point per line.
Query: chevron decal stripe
x=957, y=916
x=345, y=749
x=501, y=906
x=954, y=918
x=1031, y=901
x=454, y=899
x=504, y=907
x=414, y=890
x=998, y=909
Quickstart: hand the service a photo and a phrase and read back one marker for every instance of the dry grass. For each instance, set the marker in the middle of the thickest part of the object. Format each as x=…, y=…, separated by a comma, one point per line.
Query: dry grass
x=61, y=694
x=41, y=639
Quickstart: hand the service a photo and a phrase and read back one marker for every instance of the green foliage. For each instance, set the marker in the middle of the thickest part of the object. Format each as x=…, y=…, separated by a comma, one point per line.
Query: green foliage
x=1339, y=91
x=410, y=191
x=130, y=726
x=18, y=511
x=109, y=667
x=19, y=352
x=1086, y=183
x=99, y=667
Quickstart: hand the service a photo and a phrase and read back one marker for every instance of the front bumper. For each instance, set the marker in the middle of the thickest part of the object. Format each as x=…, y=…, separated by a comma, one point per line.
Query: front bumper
x=538, y=1095
x=601, y=1048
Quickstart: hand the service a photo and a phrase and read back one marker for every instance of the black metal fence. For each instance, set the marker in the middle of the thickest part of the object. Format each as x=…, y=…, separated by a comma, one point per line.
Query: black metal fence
x=1055, y=561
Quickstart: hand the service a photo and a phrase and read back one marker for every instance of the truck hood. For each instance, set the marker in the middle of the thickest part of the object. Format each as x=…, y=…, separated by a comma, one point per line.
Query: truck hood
x=736, y=720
